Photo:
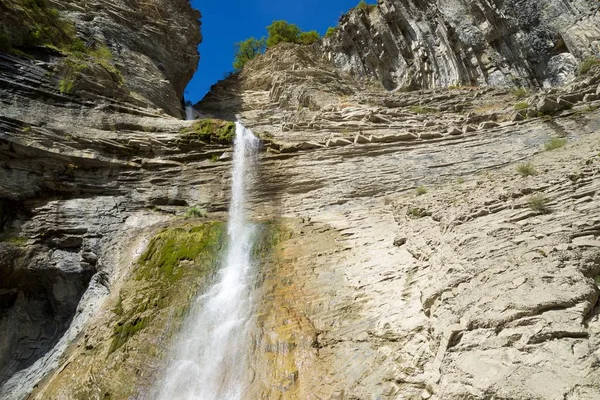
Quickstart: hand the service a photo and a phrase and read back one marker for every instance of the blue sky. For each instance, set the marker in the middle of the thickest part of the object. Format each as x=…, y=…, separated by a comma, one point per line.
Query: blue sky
x=227, y=22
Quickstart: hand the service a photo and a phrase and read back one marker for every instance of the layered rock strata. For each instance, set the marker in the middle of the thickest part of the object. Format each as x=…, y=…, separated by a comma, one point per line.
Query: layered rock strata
x=480, y=284
x=425, y=44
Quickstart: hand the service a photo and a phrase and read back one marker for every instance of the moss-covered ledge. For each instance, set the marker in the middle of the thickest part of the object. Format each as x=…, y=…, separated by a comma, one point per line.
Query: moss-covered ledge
x=211, y=130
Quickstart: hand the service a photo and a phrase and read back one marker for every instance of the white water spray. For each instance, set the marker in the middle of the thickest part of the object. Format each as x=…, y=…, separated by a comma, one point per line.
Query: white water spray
x=211, y=352
x=189, y=113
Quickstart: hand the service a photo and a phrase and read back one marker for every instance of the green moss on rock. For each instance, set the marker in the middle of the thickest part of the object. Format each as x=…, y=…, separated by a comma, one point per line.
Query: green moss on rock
x=177, y=256
x=120, y=354
x=211, y=131
x=30, y=23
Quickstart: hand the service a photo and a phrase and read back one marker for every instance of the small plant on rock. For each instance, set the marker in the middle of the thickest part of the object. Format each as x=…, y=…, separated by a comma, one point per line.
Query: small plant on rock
x=587, y=64
x=195, y=212
x=421, y=190
x=539, y=204
x=416, y=212
x=555, y=143
x=523, y=105
x=366, y=7
x=331, y=31
x=520, y=93
x=460, y=180
x=526, y=169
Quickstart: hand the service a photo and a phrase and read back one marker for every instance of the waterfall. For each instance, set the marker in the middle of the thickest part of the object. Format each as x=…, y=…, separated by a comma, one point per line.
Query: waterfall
x=209, y=359
x=189, y=113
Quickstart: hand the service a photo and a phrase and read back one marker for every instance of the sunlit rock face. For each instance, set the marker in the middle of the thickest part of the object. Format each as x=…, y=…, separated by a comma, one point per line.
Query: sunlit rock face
x=424, y=44
x=481, y=284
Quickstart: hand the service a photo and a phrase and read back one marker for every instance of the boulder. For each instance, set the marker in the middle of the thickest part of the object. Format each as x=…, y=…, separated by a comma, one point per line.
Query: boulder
x=338, y=142
x=548, y=105
x=400, y=240
x=360, y=139
x=488, y=125
x=454, y=131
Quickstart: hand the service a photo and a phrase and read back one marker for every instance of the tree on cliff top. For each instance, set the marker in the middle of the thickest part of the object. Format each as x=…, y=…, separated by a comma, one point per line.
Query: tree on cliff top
x=247, y=50
x=282, y=31
x=278, y=32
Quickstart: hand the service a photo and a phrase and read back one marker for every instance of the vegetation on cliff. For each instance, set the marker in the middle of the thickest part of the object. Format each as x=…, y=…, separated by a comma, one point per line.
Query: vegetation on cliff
x=211, y=131
x=30, y=23
x=247, y=50
x=278, y=32
x=177, y=265
x=27, y=25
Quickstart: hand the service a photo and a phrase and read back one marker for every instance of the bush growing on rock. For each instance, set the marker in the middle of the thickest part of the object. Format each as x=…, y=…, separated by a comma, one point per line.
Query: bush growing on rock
x=587, y=64
x=421, y=190
x=366, y=7
x=331, y=31
x=520, y=93
x=416, y=212
x=195, y=212
x=309, y=37
x=283, y=31
x=555, y=143
x=526, y=169
x=278, y=32
x=539, y=204
x=247, y=50
x=523, y=105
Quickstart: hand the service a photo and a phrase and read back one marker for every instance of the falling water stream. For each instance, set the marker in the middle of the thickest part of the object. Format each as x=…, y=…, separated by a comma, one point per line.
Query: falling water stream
x=189, y=113
x=209, y=357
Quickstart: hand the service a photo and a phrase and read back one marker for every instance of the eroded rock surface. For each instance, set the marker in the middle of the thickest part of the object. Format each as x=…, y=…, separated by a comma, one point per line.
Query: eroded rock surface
x=424, y=44
x=463, y=291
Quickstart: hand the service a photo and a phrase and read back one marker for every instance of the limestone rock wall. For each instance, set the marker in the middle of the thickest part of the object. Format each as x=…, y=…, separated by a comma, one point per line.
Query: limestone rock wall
x=423, y=44
x=154, y=43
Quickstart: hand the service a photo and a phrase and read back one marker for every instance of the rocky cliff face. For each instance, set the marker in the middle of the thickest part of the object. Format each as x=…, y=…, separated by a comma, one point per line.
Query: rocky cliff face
x=412, y=251
x=137, y=52
x=66, y=160
x=424, y=44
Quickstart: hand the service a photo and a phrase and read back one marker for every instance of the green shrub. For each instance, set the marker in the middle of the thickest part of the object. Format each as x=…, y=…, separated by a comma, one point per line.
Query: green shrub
x=248, y=50
x=19, y=241
x=523, y=105
x=331, y=31
x=282, y=31
x=416, y=212
x=555, y=143
x=421, y=190
x=362, y=5
x=587, y=64
x=460, y=180
x=520, y=93
x=309, y=37
x=539, y=204
x=66, y=85
x=278, y=32
x=526, y=169
x=195, y=212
